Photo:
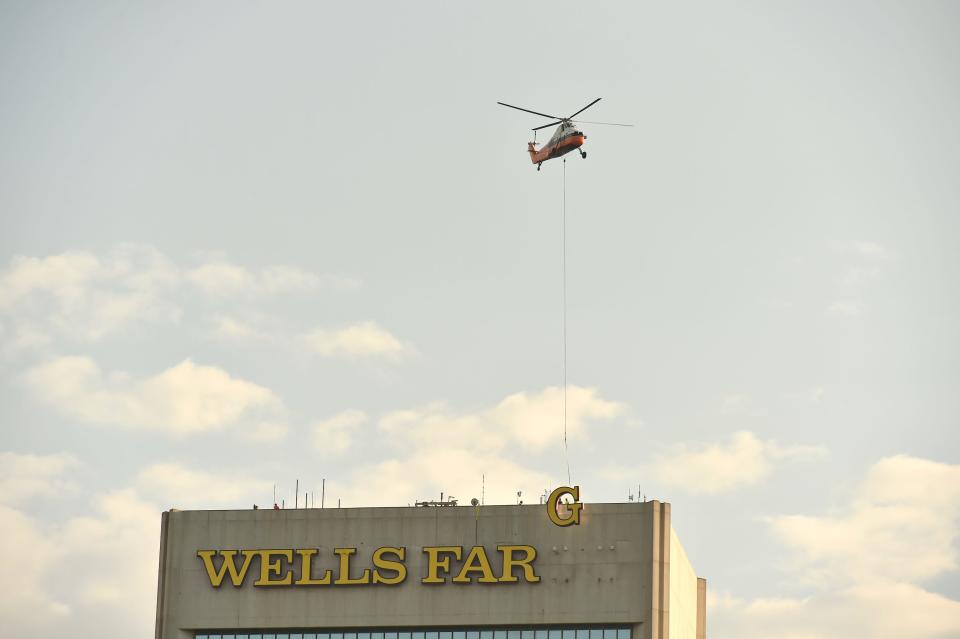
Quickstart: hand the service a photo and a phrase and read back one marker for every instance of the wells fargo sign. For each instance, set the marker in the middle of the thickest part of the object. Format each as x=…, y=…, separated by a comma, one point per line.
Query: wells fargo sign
x=387, y=565
x=280, y=567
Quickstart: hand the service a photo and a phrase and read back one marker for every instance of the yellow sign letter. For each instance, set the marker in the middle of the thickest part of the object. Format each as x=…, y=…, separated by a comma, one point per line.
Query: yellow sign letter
x=228, y=566
x=553, y=506
x=380, y=563
x=530, y=553
x=343, y=577
x=268, y=568
x=476, y=561
x=435, y=564
x=306, y=564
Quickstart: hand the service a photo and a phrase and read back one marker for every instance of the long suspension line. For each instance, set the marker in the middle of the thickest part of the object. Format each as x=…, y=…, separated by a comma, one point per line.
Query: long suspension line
x=563, y=304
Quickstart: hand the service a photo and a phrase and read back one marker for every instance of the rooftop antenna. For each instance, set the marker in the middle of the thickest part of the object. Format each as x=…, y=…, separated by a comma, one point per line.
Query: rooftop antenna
x=483, y=488
x=296, y=494
x=323, y=490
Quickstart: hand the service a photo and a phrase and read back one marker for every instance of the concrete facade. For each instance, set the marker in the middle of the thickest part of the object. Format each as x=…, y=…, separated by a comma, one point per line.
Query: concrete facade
x=621, y=565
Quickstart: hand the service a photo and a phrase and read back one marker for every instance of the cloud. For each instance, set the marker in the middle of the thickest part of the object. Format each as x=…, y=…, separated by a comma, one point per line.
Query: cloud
x=870, y=250
x=902, y=525
x=712, y=468
x=879, y=611
x=866, y=262
x=732, y=403
x=83, y=297
x=334, y=436
x=469, y=454
x=26, y=606
x=24, y=476
x=183, y=399
x=847, y=308
x=181, y=487
x=101, y=564
x=364, y=339
x=110, y=556
x=534, y=420
x=531, y=421
x=221, y=278
x=266, y=433
x=232, y=328
x=864, y=563
x=455, y=471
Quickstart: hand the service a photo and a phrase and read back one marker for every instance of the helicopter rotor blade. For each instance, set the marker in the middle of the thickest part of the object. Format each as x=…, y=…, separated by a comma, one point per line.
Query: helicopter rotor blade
x=584, y=108
x=552, y=117
x=546, y=126
x=604, y=123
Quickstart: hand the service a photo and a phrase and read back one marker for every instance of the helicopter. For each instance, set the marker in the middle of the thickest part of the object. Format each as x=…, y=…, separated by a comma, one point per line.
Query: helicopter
x=566, y=138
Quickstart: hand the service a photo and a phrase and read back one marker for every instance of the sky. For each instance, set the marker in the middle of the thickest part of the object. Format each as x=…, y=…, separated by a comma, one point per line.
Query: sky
x=245, y=245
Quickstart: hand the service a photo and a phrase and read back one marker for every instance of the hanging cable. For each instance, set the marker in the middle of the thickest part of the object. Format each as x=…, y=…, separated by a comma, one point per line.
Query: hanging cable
x=563, y=304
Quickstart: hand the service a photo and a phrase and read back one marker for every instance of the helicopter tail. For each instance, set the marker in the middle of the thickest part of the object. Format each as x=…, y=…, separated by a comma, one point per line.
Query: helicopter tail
x=532, y=150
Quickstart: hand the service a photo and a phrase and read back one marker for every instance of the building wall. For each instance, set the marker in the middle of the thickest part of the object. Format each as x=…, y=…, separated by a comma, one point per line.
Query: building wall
x=683, y=592
x=600, y=571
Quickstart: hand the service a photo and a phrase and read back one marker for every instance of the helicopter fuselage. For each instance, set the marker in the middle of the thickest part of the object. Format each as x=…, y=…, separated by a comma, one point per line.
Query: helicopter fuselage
x=565, y=139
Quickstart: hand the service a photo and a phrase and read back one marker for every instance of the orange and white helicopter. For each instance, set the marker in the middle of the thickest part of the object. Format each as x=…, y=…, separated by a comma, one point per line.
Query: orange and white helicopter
x=566, y=138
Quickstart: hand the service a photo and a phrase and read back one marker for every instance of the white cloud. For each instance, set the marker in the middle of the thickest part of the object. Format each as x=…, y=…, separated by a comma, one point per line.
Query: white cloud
x=879, y=611
x=467, y=454
x=859, y=275
x=870, y=250
x=535, y=420
x=266, y=433
x=732, y=403
x=531, y=421
x=83, y=296
x=334, y=436
x=232, y=328
x=185, y=398
x=180, y=487
x=69, y=573
x=866, y=262
x=454, y=471
x=110, y=556
x=902, y=525
x=121, y=524
x=864, y=563
x=712, y=468
x=847, y=308
x=221, y=278
x=357, y=340
x=27, y=608
x=24, y=476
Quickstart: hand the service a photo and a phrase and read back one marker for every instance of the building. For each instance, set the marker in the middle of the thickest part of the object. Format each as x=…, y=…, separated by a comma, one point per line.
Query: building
x=575, y=571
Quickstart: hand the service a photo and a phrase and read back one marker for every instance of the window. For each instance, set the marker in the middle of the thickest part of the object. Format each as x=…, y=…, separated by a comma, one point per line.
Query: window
x=498, y=632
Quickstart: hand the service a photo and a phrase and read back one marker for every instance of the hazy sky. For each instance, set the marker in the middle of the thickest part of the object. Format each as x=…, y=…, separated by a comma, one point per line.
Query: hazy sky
x=245, y=243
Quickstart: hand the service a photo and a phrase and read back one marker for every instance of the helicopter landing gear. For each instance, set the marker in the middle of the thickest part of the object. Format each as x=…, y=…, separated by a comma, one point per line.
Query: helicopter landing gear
x=583, y=154
x=538, y=165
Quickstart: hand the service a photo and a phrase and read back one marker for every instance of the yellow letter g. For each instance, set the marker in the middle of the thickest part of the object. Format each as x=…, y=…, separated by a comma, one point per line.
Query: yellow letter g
x=553, y=506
